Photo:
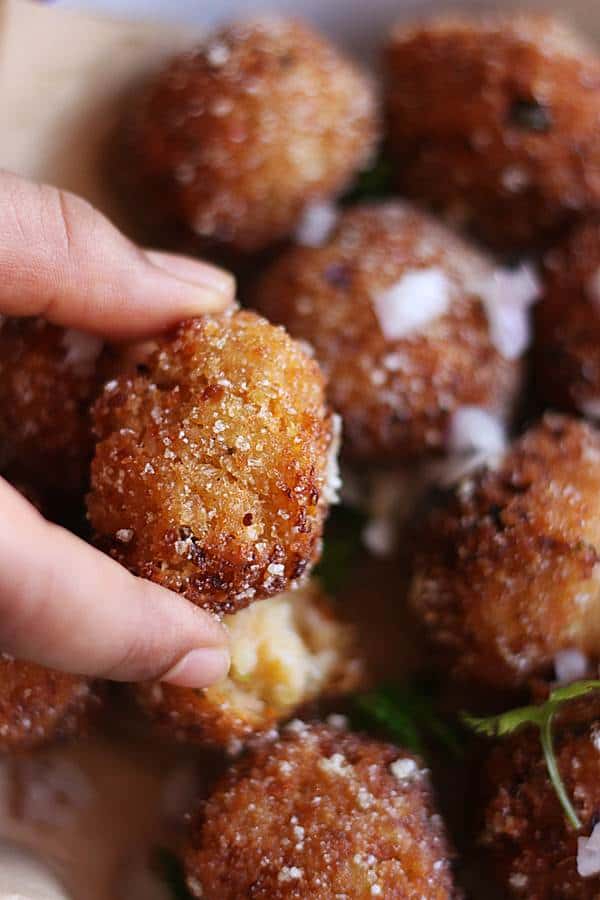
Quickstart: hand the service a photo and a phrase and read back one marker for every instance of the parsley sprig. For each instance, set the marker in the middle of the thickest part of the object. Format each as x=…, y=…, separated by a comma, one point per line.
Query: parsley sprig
x=541, y=716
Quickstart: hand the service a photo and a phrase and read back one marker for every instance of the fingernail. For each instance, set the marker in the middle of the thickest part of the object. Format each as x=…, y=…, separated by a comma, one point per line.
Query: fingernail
x=199, y=668
x=195, y=272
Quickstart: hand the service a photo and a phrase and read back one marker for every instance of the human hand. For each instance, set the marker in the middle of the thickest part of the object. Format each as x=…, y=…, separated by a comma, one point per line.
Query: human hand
x=64, y=604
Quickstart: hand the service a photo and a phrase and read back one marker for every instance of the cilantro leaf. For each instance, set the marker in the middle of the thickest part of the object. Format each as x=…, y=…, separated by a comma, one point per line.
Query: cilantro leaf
x=169, y=868
x=541, y=716
x=375, y=183
x=409, y=714
x=341, y=546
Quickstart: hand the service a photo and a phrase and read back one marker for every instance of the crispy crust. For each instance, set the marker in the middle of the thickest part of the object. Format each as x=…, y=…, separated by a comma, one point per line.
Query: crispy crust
x=46, y=389
x=533, y=847
x=234, y=139
x=395, y=396
x=38, y=705
x=319, y=813
x=505, y=571
x=243, y=704
x=567, y=323
x=495, y=122
x=210, y=474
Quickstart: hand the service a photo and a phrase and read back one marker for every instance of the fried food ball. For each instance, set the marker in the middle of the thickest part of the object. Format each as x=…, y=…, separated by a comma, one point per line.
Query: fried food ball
x=236, y=138
x=505, y=571
x=567, y=325
x=320, y=813
x=390, y=304
x=495, y=122
x=213, y=470
x=38, y=705
x=534, y=847
x=285, y=651
x=48, y=380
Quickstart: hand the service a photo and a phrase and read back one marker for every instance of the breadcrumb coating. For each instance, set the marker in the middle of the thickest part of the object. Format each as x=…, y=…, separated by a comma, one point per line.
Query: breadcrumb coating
x=235, y=138
x=525, y=830
x=48, y=380
x=212, y=469
x=395, y=387
x=505, y=571
x=38, y=705
x=494, y=121
x=320, y=813
x=567, y=325
x=286, y=651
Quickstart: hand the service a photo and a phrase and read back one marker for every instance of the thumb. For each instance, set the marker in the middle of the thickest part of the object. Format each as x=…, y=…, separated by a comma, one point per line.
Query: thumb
x=61, y=259
x=67, y=606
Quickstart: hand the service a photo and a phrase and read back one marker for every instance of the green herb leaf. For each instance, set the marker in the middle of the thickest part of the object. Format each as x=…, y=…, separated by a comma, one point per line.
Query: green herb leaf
x=375, y=183
x=169, y=868
x=408, y=712
x=341, y=546
x=542, y=717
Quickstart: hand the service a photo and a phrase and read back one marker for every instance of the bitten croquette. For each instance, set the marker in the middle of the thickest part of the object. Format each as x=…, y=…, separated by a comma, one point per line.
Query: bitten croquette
x=234, y=139
x=506, y=568
x=38, y=705
x=494, y=122
x=48, y=381
x=567, y=325
x=390, y=302
x=320, y=813
x=534, y=848
x=214, y=464
x=285, y=651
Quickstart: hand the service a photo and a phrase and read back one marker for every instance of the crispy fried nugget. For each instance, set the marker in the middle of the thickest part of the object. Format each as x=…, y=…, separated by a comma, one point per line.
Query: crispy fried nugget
x=534, y=847
x=48, y=380
x=495, y=122
x=213, y=468
x=320, y=813
x=505, y=573
x=285, y=651
x=354, y=299
x=567, y=332
x=38, y=705
x=234, y=139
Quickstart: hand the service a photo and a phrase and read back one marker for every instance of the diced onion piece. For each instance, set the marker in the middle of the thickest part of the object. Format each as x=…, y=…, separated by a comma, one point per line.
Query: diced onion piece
x=588, y=854
x=506, y=295
x=570, y=665
x=416, y=299
x=473, y=429
x=333, y=478
x=316, y=224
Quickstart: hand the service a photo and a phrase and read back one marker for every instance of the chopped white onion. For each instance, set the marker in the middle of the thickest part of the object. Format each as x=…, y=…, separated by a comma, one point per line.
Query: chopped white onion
x=412, y=302
x=316, y=224
x=473, y=429
x=82, y=351
x=570, y=665
x=333, y=478
x=588, y=854
x=590, y=408
x=379, y=536
x=506, y=295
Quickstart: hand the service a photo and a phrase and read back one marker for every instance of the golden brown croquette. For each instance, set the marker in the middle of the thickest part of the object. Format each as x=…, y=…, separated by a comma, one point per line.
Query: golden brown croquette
x=38, y=705
x=320, y=813
x=285, y=652
x=235, y=138
x=534, y=848
x=567, y=325
x=494, y=121
x=505, y=570
x=213, y=468
x=390, y=303
x=48, y=380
